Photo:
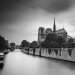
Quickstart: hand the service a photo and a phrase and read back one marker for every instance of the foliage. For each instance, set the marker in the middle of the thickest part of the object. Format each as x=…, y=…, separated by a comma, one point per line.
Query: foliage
x=51, y=37
x=53, y=41
x=61, y=40
x=71, y=45
x=51, y=44
x=70, y=40
x=6, y=44
x=3, y=43
x=34, y=44
x=50, y=41
x=24, y=43
x=12, y=44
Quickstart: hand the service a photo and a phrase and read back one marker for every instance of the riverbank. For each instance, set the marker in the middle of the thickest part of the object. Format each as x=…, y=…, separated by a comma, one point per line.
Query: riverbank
x=60, y=55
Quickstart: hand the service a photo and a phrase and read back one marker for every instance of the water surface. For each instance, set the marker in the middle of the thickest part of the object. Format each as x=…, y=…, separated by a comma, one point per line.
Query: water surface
x=18, y=63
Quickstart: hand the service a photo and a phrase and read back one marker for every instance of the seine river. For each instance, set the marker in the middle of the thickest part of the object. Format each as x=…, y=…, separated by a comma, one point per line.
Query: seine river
x=18, y=63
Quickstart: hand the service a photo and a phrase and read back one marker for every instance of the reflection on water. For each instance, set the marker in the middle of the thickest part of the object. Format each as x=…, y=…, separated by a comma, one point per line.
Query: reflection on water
x=18, y=63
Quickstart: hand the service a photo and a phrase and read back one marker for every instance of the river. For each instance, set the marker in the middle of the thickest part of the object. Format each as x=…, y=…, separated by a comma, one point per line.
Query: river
x=19, y=63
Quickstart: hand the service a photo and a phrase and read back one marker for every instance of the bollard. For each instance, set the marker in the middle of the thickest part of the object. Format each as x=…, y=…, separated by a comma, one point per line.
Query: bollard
x=28, y=50
x=70, y=52
x=49, y=50
x=33, y=51
x=40, y=52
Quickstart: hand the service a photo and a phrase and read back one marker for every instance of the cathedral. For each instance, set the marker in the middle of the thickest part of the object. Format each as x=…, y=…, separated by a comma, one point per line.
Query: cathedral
x=42, y=32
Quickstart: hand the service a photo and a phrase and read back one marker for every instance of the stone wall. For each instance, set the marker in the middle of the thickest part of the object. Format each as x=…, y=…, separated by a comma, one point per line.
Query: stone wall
x=63, y=54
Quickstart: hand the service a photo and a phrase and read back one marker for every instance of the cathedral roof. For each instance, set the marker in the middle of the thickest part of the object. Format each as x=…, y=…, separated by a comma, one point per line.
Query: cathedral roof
x=61, y=31
x=48, y=30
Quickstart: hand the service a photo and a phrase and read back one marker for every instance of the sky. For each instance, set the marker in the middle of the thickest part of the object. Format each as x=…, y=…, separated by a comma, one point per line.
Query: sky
x=20, y=19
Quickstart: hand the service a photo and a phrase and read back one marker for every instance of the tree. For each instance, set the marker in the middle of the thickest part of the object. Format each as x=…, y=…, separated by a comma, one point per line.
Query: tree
x=42, y=44
x=50, y=41
x=51, y=37
x=34, y=44
x=3, y=43
x=53, y=41
x=6, y=44
x=51, y=44
x=12, y=45
x=24, y=43
x=70, y=40
x=60, y=41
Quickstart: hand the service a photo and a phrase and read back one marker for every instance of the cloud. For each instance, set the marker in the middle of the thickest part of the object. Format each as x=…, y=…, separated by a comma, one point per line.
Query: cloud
x=55, y=6
x=12, y=10
x=72, y=22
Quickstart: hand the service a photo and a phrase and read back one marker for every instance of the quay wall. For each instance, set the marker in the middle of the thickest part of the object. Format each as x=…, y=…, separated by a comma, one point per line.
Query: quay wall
x=63, y=54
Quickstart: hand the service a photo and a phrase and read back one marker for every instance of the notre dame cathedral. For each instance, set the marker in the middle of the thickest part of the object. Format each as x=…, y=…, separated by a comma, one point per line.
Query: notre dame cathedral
x=42, y=32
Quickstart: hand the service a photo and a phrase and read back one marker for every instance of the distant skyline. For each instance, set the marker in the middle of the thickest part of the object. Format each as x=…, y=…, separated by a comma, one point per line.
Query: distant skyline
x=20, y=19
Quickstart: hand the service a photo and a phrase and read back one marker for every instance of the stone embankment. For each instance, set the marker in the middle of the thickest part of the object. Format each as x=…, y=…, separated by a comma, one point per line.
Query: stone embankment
x=62, y=54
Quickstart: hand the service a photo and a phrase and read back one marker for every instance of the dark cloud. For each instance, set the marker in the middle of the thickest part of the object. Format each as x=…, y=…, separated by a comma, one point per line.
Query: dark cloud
x=56, y=6
x=10, y=10
x=50, y=5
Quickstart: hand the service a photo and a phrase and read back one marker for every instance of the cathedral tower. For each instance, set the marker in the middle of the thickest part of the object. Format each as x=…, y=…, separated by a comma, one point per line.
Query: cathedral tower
x=41, y=34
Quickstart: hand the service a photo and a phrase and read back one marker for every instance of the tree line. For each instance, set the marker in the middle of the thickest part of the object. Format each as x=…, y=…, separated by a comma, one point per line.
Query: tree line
x=25, y=43
x=51, y=41
x=54, y=41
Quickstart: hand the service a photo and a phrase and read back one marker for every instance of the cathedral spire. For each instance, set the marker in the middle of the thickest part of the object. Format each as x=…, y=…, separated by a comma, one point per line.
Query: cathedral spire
x=54, y=26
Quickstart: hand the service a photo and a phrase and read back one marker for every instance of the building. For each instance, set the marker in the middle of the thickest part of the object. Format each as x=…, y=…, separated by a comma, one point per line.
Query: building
x=74, y=39
x=42, y=32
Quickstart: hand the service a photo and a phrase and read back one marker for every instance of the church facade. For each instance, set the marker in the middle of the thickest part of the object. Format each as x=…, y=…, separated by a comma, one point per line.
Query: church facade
x=42, y=32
